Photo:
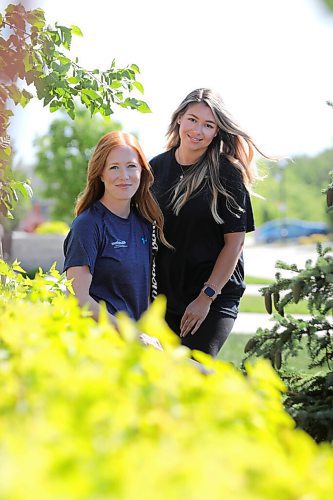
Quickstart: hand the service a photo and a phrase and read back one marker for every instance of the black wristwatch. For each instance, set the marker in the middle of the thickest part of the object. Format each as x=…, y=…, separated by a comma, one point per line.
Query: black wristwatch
x=209, y=291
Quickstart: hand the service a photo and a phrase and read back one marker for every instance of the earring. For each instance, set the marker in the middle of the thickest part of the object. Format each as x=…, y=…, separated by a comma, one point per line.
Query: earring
x=102, y=180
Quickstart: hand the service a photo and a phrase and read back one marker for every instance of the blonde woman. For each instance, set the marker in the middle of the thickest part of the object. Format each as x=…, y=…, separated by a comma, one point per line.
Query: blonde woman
x=202, y=185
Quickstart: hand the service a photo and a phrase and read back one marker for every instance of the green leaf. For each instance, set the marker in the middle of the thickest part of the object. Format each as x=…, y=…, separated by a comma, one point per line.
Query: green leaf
x=47, y=99
x=10, y=8
x=127, y=73
x=54, y=106
x=139, y=86
x=48, y=46
x=71, y=113
x=16, y=266
x=64, y=60
x=56, y=67
x=135, y=68
x=26, y=96
x=27, y=61
x=144, y=108
x=70, y=104
x=91, y=93
x=107, y=111
x=115, y=84
x=76, y=30
x=35, y=19
x=64, y=68
x=39, y=14
x=15, y=93
x=66, y=36
x=73, y=79
x=28, y=189
x=4, y=155
x=85, y=100
x=40, y=87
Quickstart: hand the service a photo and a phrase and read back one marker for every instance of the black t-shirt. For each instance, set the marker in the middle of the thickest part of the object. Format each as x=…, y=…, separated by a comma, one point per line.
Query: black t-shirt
x=197, y=237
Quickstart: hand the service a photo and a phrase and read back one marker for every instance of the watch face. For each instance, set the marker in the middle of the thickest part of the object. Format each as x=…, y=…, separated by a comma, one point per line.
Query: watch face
x=209, y=291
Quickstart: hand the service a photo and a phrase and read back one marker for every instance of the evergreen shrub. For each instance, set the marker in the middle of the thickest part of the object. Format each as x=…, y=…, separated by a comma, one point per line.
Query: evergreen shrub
x=309, y=396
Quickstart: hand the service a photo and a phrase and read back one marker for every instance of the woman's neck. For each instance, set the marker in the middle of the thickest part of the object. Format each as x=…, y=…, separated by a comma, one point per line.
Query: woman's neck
x=187, y=157
x=121, y=208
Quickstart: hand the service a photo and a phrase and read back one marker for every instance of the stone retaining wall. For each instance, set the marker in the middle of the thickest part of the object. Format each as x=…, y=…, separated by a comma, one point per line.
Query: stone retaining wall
x=37, y=250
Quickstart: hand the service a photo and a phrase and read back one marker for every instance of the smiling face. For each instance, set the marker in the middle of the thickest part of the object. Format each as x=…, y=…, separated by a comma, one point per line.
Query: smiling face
x=197, y=128
x=121, y=175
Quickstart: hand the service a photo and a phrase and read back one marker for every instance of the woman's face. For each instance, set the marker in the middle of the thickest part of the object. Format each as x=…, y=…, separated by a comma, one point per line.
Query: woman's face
x=197, y=127
x=121, y=174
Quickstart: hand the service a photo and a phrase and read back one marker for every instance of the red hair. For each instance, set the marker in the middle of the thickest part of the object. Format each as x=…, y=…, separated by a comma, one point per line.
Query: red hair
x=94, y=190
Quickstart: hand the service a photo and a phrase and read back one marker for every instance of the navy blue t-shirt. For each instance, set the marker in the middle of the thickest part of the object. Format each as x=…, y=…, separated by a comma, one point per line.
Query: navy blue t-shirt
x=118, y=254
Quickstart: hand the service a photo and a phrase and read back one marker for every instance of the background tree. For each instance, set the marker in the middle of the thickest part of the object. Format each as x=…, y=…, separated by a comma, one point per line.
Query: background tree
x=35, y=62
x=296, y=185
x=62, y=158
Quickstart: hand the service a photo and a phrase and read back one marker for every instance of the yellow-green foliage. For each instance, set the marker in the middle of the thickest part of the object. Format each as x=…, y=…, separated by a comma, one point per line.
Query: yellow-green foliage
x=53, y=227
x=88, y=414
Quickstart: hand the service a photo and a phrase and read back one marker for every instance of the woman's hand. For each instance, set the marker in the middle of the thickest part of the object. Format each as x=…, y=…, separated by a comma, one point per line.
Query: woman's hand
x=194, y=315
x=82, y=278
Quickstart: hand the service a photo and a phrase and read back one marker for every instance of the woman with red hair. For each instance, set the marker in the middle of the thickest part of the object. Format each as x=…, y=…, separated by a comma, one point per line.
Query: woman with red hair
x=108, y=249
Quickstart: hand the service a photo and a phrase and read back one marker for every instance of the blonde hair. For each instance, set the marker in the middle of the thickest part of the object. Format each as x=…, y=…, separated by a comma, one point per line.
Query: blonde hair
x=234, y=143
x=94, y=190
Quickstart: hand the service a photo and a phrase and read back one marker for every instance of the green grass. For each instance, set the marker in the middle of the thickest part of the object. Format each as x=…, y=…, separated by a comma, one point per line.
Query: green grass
x=252, y=280
x=256, y=304
x=233, y=351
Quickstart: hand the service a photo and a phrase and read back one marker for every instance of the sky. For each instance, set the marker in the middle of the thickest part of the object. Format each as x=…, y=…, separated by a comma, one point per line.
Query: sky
x=270, y=60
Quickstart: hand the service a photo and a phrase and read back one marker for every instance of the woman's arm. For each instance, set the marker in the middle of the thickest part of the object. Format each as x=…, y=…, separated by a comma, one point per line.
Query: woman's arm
x=225, y=264
x=81, y=283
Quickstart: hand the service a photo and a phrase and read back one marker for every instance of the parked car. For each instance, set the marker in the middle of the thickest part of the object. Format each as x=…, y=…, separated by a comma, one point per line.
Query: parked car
x=288, y=229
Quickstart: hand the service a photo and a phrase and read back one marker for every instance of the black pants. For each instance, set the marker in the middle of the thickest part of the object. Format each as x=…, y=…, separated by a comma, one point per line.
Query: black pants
x=210, y=336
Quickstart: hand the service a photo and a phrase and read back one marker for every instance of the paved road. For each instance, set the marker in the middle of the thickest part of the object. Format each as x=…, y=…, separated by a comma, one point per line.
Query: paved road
x=260, y=260
x=250, y=322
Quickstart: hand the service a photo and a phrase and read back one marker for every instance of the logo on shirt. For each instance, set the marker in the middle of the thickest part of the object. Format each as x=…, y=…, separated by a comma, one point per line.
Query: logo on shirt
x=144, y=240
x=119, y=244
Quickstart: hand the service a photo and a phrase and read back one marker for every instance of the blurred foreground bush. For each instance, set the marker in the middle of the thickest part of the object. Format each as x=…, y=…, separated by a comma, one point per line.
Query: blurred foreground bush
x=88, y=414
